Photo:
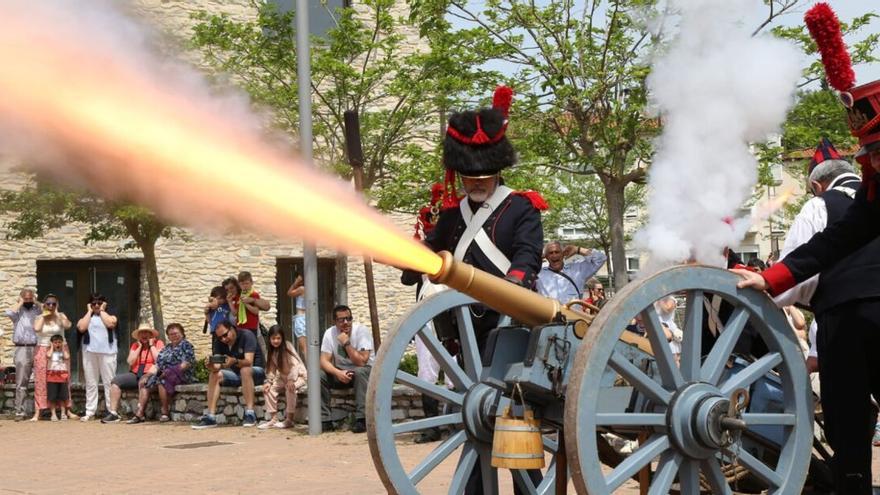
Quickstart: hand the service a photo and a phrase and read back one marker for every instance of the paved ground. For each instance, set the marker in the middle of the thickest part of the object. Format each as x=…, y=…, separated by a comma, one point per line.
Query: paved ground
x=74, y=457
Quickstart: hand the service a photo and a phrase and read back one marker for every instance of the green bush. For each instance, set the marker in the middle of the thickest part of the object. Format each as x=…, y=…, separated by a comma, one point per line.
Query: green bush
x=200, y=371
x=409, y=364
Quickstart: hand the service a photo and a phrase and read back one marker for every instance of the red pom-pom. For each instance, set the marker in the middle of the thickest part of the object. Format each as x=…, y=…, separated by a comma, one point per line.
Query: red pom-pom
x=502, y=98
x=450, y=196
x=535, y=198
x=825, y=29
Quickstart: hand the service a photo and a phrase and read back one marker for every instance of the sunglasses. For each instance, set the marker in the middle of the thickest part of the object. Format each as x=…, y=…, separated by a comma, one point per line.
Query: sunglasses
x=222, y=337
x=96, y=303
x=345, y=318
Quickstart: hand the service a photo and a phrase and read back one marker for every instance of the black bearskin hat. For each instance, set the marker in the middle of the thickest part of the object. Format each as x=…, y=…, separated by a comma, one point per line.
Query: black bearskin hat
x=475, y=143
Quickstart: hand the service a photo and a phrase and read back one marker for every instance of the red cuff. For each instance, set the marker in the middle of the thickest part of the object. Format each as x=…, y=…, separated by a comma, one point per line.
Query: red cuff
x=517, y=274
x=779, y=278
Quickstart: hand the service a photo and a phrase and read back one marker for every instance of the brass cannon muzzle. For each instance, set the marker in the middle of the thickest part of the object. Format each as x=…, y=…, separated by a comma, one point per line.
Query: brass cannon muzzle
x=519, y=303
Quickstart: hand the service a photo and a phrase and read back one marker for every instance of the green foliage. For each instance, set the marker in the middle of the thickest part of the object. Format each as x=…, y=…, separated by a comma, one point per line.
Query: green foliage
x=200, y=371
x=861, y=51
x=409, y=364
x=41, y=206
x=816, y=113
x=579, y=71
x=365, y=65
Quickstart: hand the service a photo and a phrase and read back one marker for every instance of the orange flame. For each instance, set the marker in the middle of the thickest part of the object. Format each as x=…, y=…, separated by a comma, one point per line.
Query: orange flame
x=145, y=140
x=769, y=207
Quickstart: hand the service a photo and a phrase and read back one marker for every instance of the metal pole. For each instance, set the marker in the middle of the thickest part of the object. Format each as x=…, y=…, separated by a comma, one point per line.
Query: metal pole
x=310, y=256
x=356, y=159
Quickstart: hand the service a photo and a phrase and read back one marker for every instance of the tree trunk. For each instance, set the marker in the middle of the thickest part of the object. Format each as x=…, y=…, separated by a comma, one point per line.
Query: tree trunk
x=151, y=271
x=616, y=205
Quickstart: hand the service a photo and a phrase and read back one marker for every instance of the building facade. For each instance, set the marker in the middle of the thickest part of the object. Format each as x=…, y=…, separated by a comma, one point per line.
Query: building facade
x=59, y=262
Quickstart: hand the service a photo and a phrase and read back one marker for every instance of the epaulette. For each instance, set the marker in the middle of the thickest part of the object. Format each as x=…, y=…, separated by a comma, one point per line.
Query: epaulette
x=535, y=198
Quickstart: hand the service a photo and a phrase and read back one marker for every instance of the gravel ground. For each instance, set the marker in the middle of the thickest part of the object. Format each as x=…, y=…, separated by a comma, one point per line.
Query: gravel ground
x=75, y=457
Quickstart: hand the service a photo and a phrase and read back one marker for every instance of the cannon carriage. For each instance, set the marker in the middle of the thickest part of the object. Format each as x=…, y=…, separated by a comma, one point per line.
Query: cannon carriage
x=611, y=405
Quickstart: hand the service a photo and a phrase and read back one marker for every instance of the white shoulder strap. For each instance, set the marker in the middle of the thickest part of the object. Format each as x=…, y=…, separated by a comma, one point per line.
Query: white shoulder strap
x=474, y=229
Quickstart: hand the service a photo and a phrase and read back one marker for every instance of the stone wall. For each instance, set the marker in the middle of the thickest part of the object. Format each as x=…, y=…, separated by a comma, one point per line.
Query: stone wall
x=189, y=267
x=190, y=403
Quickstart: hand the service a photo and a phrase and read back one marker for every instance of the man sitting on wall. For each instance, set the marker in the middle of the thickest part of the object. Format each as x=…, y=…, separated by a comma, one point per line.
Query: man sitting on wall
x=238, y=362
x=346, y=361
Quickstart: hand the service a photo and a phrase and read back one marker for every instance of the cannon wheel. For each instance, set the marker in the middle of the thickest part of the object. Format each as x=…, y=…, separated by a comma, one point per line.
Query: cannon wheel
x=464, y=402
x=675, y=444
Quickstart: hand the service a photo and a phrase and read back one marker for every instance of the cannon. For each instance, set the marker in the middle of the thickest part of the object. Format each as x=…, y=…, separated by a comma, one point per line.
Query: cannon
x=686, y=426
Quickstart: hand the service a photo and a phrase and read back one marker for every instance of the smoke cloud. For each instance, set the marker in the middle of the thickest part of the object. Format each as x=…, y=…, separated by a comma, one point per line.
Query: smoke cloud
x=87, y=99
x=717, y=89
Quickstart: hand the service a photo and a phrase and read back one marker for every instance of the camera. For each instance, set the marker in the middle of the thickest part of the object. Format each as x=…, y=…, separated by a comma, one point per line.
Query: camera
x=218, y=359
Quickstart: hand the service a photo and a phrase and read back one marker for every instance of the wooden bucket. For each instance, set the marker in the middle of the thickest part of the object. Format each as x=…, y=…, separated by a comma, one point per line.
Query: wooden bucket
x=517, y=442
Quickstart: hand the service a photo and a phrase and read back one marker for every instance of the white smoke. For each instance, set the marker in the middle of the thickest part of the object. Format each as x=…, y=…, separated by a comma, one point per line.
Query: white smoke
x=717, y=89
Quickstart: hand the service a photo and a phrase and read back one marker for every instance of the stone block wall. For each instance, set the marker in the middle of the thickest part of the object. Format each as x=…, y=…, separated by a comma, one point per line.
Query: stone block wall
x=189, y=267
x=190, y=403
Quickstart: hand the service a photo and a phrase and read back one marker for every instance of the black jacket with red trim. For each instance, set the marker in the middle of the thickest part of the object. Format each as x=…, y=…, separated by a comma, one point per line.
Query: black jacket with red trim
x=514, y=227
x=845, y=248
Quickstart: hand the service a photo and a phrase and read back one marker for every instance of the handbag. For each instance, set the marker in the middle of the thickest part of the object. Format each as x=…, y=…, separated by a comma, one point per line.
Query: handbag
x=142, y=364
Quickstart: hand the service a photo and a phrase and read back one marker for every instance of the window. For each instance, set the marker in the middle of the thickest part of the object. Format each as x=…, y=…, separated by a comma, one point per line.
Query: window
x=632, y=263
x=776, y=173
x=321, y=13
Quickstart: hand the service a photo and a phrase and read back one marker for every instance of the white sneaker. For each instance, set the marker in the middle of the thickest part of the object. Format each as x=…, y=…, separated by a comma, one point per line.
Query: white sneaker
x=265, y=425
x=86, y=418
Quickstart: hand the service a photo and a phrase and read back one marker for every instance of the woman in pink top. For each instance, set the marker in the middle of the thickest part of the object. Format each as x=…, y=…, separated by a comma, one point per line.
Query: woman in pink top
x=51, y=322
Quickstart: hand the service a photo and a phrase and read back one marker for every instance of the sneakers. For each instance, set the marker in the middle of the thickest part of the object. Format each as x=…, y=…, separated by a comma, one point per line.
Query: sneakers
x=250, y=419
x=164, y=418
x=360, y=426
x=110, y=417
x=86, y=418
x=204, y=423
x=265, y=425
x=135, y=420
x=281, y=425
x=328, y=426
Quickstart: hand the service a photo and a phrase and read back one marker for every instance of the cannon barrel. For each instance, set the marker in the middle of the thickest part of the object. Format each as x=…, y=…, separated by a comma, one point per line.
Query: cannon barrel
x=518, y=302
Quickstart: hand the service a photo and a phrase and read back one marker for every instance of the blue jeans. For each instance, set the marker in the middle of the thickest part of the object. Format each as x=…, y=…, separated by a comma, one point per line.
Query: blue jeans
x=231, y=378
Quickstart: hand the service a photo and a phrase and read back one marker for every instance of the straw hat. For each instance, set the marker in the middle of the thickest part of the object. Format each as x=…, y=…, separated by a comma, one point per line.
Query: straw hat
x=144, y=327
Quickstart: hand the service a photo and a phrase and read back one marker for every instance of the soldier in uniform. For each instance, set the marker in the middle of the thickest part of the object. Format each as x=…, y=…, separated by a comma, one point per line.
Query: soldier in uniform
x=847, y=300
x=491, y=227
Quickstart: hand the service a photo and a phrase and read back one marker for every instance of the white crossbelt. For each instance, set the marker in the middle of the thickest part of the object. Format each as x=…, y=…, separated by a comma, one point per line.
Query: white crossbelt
x=474, y=229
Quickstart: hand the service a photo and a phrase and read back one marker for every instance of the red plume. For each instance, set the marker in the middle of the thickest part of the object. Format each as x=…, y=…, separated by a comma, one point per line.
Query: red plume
x=502, y=98
x=825, y=29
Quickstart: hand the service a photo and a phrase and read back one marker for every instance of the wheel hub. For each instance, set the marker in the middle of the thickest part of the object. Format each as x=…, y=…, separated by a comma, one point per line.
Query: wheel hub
x=697, y=421
x=476, y=412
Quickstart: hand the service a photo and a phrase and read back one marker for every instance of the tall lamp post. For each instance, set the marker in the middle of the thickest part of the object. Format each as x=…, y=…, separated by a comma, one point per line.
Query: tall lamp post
x=310, y=256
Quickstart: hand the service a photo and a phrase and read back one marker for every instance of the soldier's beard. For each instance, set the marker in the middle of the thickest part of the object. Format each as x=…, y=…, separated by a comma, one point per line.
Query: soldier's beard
x=478, y=196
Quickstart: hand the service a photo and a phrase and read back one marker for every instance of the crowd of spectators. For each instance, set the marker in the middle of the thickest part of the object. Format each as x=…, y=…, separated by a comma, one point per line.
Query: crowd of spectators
x=243, y=353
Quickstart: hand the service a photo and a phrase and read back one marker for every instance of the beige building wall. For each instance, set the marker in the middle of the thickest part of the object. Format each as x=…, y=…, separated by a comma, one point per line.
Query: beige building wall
x=189, y=268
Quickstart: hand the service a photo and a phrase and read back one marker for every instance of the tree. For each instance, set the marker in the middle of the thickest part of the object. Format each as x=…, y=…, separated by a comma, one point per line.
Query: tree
x=579, y=71
x=41, y=206
x=817, y=112
x=363, y=64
